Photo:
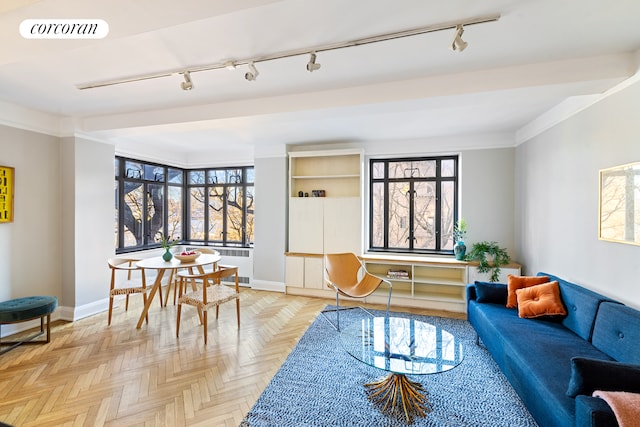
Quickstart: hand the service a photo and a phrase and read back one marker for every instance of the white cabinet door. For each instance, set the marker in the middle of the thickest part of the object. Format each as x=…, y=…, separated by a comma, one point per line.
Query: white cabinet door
x=306, y=230
x=294, y=272
x=342, y=225
x=314, y=273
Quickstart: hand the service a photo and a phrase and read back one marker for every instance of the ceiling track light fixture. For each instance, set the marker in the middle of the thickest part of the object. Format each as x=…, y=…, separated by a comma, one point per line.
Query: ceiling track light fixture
x=458, y=44
x=312, y=65
x=187, y=84
x=252, y=74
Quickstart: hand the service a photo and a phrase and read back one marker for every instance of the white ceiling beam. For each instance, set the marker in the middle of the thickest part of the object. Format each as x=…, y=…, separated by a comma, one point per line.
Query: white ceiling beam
x=608, y=68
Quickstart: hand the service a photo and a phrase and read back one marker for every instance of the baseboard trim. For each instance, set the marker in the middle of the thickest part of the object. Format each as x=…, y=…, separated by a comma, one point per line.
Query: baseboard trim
x=265, y=285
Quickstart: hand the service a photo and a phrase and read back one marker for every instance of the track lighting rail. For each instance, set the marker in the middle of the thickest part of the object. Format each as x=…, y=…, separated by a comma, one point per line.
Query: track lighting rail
x=457, y=25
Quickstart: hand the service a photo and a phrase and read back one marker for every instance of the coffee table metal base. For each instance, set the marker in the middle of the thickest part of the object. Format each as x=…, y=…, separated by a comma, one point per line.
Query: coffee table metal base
x=396, y=391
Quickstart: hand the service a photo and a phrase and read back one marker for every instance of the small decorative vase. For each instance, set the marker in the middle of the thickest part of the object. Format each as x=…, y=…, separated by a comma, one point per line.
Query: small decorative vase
x=167, y=255
x=460, y=249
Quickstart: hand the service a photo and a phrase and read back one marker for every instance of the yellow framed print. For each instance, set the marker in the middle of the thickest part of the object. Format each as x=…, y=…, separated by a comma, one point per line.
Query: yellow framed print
x=7, y=181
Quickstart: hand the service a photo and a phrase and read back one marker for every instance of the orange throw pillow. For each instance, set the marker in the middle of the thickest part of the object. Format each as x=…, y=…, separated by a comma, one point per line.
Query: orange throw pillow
x=540, y=300
x=518, y=282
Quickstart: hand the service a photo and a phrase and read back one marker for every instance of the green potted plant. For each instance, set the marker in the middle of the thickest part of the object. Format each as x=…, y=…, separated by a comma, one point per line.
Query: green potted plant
x=167, y=244
x=490, y=258
x=459, y=234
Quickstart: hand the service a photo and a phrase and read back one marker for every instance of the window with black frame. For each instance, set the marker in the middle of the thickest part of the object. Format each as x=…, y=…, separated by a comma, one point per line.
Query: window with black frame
x=413, y=204
x=154, y=200
x=148, y=203
x=221, y=206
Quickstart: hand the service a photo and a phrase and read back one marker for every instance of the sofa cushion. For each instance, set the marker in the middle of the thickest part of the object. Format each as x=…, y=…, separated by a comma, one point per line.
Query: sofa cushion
x=519, y=282
x=491, y=292
x=540, y=300
x=617, y=332
x=589, y=375
x=581, y=305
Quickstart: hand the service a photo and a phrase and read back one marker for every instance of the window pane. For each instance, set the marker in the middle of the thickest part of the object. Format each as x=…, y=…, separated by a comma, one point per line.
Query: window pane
x=216, y=212
x=448, y=168
x=412, y=169
x=424, y=216
x=399, y=169
x=398, y=215
x=116, y=167
x=154, y=173
x=175, y=176
x=175, y=213
x=217, y=176
x=446, y=215
x=196, y=213
x=250, y=175
x=133, y=170
x=155, y=210
x=235, y=208
x=377, y=217
x=196, y=177
x=378, y=170
x=250, y=215
x=234, y=176
x=133, y=214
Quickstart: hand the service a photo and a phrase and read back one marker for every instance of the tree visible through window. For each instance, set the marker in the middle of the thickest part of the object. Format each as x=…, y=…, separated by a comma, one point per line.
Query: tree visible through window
x=221, y=205
x=152, y=200
x=414, y=204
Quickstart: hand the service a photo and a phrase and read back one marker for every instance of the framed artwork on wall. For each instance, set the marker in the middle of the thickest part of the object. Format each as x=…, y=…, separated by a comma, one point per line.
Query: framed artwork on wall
x=620, y=204
x=7, y=182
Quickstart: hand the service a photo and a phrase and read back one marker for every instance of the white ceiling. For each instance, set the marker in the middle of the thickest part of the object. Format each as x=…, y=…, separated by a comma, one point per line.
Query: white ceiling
x=538, y=55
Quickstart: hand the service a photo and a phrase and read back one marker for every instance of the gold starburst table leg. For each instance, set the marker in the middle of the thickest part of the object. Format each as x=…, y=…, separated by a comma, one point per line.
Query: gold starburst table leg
x=397, y=391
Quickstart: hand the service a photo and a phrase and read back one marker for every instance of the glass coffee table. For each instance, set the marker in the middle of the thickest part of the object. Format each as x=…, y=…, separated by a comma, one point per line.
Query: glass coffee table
x=401, y=347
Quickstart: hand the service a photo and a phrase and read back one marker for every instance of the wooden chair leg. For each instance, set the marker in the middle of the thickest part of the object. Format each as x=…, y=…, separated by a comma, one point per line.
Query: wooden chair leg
x=205, y=327
x=238, y=311
x=217, y=310
x=178, y=323
x=126, y=306
x=160, y=293
x=110, y=308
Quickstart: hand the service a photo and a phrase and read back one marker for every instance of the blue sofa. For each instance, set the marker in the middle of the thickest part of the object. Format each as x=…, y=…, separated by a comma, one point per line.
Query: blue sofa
x=555, y=363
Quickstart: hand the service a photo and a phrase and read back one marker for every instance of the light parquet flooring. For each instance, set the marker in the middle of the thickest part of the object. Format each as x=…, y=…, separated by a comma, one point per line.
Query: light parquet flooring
x=91, y=374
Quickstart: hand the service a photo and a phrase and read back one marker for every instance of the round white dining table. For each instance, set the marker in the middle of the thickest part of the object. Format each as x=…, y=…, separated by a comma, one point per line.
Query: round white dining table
x=159, y=264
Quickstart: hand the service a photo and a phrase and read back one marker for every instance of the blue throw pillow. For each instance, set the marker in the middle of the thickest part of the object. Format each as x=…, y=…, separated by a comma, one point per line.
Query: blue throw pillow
x=491, y=292
x=589, y=375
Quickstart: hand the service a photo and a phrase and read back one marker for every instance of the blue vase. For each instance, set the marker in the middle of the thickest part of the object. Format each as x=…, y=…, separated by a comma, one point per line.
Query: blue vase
x=460, y=250
x=167, y=255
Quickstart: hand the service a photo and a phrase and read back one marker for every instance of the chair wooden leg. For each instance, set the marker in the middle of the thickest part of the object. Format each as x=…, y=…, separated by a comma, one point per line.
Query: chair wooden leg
x=160, y=293
x=178, y=323
x=217, y=310
x=110, y=308
x=205, y=327
x=126, y=306
x=238, y=311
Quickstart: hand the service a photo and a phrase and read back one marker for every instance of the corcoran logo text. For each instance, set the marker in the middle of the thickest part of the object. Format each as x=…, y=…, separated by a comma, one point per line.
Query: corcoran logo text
x=64, y=29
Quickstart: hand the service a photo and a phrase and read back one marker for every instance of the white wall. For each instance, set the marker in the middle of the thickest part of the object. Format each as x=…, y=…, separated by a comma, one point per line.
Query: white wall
x=557, y=180
x=30, y=247
x=487, y=193
x=270, y=222
x=94, y=219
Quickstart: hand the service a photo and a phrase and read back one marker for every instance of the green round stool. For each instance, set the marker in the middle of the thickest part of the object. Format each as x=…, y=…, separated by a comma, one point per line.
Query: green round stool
x=24, y=309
